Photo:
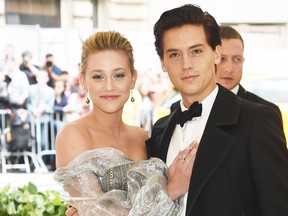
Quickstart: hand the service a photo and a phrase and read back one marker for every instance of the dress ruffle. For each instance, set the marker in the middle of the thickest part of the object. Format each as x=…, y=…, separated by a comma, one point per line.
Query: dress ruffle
x=104, y=182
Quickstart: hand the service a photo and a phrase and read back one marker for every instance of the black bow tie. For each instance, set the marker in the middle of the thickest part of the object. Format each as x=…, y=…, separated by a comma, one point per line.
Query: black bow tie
x=195, y=110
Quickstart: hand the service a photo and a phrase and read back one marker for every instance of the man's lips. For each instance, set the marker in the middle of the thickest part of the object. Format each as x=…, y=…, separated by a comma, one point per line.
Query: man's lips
x=227, y=78
x=189, y=77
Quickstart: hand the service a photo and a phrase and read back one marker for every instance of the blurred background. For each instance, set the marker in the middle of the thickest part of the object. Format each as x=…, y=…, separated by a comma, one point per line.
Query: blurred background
x=56, y=27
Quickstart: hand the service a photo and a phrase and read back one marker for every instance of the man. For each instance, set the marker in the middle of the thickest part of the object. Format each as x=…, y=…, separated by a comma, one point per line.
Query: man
x=18, y=87
x=241, y=167
x=229, y=70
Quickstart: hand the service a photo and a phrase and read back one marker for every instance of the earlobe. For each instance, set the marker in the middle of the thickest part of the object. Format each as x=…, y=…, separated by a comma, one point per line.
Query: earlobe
x=83, y=83
x=163, y=66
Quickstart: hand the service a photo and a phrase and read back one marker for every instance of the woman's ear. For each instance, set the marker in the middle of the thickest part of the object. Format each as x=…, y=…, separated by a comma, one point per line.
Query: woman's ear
x=134, y=78
x=83, y=82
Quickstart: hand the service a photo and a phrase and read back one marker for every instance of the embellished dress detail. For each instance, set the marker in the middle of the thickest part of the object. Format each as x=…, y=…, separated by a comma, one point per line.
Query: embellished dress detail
x=104, y=182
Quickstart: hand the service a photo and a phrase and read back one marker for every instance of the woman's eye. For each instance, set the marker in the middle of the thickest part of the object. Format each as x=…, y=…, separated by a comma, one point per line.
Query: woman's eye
x=120, y=75
x=97, y=77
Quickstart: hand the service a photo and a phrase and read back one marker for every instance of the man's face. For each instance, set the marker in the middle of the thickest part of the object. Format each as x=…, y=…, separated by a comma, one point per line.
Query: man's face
x=229, y=70
x=190, y=62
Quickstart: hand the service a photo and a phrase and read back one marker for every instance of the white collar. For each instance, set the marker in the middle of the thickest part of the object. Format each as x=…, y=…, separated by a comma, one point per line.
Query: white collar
x=206, y=103
x=235, y=89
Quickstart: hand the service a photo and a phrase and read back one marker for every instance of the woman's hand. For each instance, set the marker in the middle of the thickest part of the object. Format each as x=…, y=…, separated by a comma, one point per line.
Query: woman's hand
x=179, y=172
x=71, y=211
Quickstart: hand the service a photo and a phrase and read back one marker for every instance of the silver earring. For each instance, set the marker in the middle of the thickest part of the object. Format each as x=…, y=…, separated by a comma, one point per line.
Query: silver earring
x=87, y=100
x=132, y=98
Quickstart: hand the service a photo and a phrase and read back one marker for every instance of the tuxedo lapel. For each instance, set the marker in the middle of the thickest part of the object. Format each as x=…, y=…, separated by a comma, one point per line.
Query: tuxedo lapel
x=162, y=134
x=215, y=143
x=241, y=91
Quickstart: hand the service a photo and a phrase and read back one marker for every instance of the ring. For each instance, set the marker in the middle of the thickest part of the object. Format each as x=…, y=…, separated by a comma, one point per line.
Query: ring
x=181, y=157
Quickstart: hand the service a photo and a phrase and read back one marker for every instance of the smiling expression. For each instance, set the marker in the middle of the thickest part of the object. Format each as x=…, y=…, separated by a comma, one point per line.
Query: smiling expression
x=108, y=80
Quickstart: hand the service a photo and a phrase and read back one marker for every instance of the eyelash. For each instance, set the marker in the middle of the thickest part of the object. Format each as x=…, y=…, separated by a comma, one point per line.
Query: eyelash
x=194, y=52
x=116, y=76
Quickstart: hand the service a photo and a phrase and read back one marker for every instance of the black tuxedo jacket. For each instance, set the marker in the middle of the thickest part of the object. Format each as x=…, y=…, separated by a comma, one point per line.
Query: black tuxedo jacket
x=241, y=167
x=255, y=98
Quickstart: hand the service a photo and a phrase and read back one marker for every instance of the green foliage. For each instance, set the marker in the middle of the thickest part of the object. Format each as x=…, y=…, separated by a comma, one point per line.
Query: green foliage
x=27, y=200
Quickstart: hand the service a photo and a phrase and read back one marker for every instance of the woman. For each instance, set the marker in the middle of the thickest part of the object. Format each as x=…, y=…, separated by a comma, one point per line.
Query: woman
x=101, y=160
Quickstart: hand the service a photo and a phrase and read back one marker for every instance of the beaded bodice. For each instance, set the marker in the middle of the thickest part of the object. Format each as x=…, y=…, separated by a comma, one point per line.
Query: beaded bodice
x=115, y=178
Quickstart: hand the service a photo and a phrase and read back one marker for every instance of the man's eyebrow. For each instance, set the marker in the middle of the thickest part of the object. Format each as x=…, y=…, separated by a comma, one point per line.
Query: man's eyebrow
x=196, y=46
x=190, y=47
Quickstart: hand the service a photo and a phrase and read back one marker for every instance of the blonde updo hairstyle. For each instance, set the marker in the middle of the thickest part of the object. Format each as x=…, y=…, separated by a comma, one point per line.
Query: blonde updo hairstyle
x=106, y=40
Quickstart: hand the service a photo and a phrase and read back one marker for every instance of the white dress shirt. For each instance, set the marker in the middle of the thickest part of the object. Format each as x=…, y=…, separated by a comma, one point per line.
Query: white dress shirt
x=235, y=89
x=191, y=130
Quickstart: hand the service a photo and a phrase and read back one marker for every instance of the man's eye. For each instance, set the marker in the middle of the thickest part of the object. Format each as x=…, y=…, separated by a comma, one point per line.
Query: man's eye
x=173, y=55
x=223, y=59
x=238, y=60
x=197, y=51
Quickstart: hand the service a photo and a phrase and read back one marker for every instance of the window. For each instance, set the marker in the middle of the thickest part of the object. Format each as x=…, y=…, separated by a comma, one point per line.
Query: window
x=46, y=13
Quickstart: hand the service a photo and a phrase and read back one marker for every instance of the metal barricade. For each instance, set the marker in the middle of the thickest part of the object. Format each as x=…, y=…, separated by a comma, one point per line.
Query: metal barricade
x=6, y=155
x=45, y=135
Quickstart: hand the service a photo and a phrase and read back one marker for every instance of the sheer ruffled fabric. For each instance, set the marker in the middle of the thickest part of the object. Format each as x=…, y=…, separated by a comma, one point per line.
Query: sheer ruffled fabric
x=104, y=182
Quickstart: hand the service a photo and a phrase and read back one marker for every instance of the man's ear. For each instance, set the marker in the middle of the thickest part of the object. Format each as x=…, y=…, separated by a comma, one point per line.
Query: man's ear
x=217, y=55
x=163, y=65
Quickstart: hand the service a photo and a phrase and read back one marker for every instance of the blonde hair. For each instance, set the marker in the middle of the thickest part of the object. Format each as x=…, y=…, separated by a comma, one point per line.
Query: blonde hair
x=106, y=40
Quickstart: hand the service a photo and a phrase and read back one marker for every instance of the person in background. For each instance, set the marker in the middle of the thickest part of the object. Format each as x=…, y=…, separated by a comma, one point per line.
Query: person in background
x=18, y=87
x=4, y=99
x=8, y=52
x=28, y=68
x=101, y=160
x=53, y=70
x=241, y=165
x=230, y=68
x=40, y=104
x=60, y=102
x=15, y=92
x=77, y=106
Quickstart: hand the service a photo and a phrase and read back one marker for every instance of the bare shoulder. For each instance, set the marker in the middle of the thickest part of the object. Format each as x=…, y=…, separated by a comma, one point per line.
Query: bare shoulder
x=69, y=142
x=139, y=132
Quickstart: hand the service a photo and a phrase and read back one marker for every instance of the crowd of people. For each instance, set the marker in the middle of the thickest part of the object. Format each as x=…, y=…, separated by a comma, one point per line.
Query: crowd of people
x=46, y=92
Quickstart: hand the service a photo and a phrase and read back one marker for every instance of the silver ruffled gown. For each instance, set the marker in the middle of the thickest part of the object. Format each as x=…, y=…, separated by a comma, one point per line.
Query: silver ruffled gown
x=104, y=182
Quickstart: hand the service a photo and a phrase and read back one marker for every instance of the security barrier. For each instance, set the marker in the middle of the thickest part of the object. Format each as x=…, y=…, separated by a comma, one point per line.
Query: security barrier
x=41, y=154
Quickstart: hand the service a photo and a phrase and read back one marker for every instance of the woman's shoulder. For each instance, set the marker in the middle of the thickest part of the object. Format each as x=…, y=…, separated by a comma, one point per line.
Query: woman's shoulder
x=139, y=132
x=72, y=128
x=70, y=141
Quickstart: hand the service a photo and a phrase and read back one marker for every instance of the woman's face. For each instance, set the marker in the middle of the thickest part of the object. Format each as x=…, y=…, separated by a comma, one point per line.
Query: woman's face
x=108, y=80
